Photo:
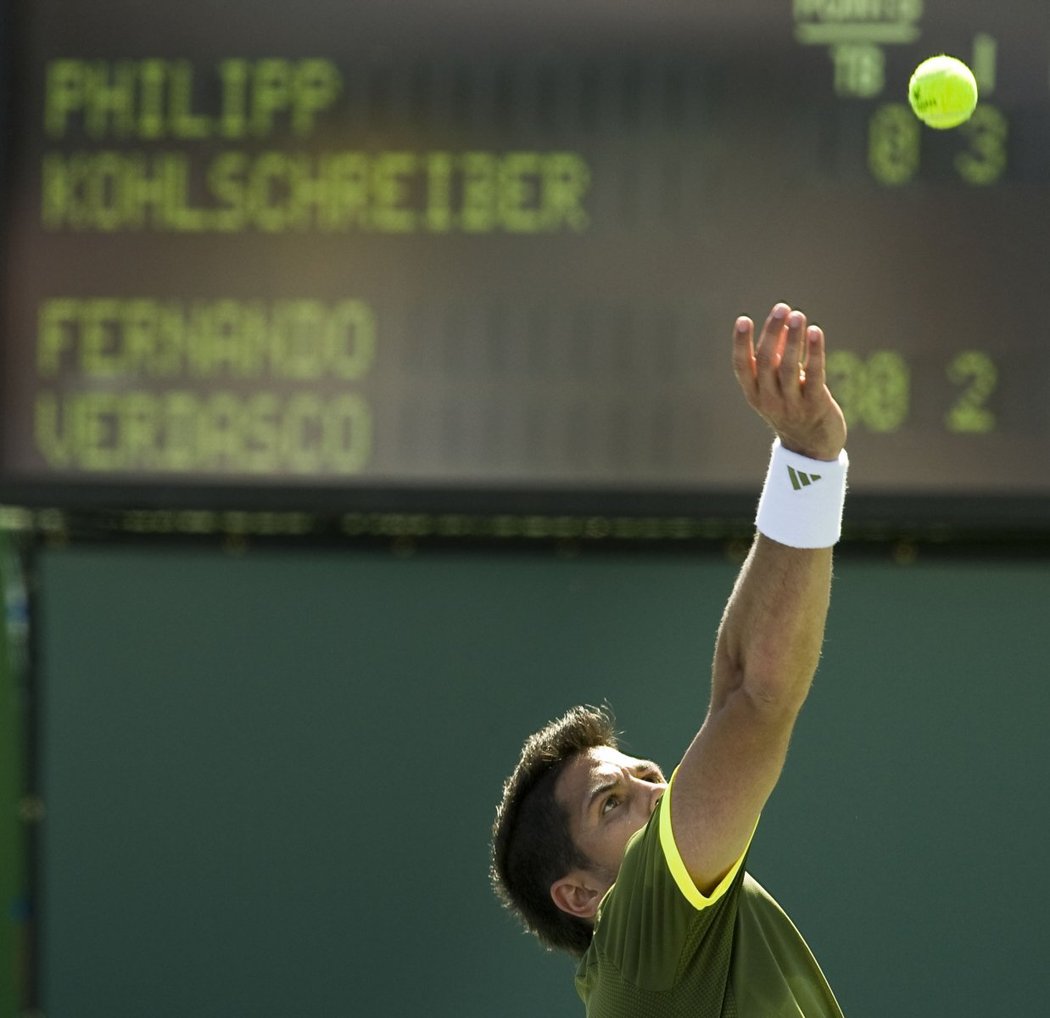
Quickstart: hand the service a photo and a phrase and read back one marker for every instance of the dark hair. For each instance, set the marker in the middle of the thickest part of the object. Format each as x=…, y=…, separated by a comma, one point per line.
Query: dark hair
x=531, y=843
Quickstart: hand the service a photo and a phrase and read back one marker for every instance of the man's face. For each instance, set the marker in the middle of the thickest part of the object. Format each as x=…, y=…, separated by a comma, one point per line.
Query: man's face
x=607, y=797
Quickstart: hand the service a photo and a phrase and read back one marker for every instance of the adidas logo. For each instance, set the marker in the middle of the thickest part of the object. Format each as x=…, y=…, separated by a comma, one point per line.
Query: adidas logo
x=800, y=480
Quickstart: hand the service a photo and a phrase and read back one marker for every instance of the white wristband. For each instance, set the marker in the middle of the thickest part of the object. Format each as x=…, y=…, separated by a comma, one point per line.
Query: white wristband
x=802, y=499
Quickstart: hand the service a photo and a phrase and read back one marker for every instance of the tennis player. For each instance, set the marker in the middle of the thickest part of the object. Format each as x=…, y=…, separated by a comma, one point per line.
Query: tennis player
x=643, y=878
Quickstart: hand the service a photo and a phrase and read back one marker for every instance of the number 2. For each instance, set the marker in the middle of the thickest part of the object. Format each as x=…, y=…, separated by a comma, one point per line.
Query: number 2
x=978, y=375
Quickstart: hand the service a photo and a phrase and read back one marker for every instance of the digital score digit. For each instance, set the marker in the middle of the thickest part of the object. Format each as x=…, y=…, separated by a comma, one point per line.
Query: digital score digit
x=984, y=159
x=894, y=144
x=976, y=376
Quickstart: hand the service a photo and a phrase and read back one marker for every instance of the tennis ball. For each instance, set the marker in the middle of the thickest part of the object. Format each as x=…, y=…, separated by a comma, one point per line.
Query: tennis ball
x=943, y=92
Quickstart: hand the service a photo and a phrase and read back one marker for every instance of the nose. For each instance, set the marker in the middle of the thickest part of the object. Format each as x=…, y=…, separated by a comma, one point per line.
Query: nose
x=656, y=792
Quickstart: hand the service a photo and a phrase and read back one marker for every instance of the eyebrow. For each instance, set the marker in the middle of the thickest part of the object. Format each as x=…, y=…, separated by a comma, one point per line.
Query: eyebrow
x=598, y=792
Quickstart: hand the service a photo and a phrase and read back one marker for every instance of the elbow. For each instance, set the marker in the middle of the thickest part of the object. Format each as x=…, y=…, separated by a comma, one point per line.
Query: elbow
x=775, y=676
x=773, y=682
x=774, y=694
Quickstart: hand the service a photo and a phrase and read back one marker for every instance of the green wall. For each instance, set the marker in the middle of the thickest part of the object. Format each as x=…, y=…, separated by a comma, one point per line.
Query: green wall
x=269, y=777
x=12, y=875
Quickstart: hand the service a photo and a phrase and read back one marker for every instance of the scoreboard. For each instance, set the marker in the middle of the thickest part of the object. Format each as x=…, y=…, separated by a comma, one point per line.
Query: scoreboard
x=427, y=253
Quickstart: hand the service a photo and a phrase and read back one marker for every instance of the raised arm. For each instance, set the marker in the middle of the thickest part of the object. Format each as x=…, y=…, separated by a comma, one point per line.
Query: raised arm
x=769, y=641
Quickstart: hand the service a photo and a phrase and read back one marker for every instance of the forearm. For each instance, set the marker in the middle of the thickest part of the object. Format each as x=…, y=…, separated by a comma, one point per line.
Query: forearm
x=769, y=642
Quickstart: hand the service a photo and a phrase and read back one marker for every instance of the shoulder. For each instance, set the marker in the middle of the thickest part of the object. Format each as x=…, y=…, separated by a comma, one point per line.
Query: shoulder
x=653, y=920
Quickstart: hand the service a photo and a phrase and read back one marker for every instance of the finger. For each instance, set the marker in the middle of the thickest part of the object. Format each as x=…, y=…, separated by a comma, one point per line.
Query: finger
x=816, y=361
x=793, y=353
x=744, y=354
x=768, y=349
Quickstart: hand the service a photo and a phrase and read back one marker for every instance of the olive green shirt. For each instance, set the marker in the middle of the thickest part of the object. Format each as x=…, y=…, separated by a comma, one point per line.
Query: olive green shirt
x=661, y=949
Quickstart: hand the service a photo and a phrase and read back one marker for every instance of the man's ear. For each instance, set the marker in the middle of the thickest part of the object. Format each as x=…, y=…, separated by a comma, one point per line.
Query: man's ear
x=577, y=894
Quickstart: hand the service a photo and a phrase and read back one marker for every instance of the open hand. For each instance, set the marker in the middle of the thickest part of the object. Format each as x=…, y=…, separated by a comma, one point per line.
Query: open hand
x=783, y=378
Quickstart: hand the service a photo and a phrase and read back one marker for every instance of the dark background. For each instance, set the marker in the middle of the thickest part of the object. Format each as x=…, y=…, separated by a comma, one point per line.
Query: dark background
x=733, y=162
